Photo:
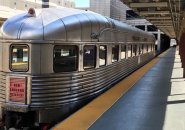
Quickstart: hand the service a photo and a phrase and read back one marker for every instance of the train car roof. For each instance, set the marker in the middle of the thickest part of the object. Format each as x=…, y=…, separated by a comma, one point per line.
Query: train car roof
x=66, y=24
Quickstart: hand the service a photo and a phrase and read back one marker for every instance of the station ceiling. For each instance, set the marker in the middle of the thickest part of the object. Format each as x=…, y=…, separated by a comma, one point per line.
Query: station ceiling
x=6, y=12
x=167, y=15
x=2, y=20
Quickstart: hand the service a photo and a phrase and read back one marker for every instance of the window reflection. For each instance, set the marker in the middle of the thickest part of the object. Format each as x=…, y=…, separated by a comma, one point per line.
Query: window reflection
x=115, y=53
x=19, y=57
x=129, y=50
x=134, y=50
x=89, y=60
x=65, y=58
x=143, y=48
x=102, y=55
x=123, y=51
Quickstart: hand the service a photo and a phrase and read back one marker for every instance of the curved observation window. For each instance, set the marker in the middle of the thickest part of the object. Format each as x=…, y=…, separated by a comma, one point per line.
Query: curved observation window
x=19, y=57
x=65, y=58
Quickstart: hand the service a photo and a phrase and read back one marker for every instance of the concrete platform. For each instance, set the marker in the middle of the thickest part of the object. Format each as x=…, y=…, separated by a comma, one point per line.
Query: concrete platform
x=152, y=98
x=155, y=102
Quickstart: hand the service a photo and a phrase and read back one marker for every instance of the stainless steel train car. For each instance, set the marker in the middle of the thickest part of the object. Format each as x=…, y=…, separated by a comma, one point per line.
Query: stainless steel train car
x=51, y=60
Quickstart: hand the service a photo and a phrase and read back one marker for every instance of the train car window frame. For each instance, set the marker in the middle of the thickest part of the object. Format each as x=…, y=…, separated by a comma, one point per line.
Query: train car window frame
x=74, y=54
x=11, y=57
x=93, y=65
x=104, y=55
x=115, y=59
x=124, y=51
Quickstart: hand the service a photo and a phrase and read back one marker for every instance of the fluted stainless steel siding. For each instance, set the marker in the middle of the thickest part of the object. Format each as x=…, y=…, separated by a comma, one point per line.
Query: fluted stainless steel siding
x=146, y=57
x=57, y=89
x=2, y=87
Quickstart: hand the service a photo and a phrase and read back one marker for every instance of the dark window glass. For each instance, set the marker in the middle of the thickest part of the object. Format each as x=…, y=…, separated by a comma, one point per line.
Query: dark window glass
x=138, y=49
x=151, y=28
x=146, y=48
x=115, y=53
x=129, y=50
x=65, y=58
x=153, y=47
x=102, y=55
x=19, y=58
x=130, y=14
x=89, y=60
x=142, y=49
x=142, y=27
x=149, y=48
x=123, y=51
x=134, y=50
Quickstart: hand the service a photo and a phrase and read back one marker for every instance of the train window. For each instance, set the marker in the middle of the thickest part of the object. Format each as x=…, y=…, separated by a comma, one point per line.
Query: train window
x=149, y=48
x=65, y=58
x=134, y=50
x=153, y=46
x=19, y=58
x=142, y=49
x=139, y=49
x=115, y=52
x=123, y=51
x=102, y=55
x=129, y=48
x=146, y=48
x=89, y=59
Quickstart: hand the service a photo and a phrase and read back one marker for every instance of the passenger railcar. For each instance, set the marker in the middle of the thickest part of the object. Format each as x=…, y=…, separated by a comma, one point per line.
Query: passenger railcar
x=53, y=59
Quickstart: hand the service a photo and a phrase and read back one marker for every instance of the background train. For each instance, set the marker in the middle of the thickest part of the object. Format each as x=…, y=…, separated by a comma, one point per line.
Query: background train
x=54, y=60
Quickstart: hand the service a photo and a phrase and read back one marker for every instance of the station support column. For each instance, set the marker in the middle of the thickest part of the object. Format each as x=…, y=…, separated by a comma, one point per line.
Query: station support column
x=182, y=52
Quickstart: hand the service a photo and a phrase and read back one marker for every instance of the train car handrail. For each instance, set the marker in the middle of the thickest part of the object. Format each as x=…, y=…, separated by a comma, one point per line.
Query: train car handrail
x=101, y=31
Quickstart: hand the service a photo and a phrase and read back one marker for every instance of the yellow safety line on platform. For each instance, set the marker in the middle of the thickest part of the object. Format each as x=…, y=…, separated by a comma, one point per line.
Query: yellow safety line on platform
x=86, y=116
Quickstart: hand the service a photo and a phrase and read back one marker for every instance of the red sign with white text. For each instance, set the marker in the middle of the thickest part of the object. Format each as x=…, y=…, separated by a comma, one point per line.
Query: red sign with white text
x=17, y=90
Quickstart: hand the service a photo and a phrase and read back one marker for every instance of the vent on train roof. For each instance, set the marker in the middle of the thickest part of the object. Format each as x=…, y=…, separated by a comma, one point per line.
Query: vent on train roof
x=31, y=12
